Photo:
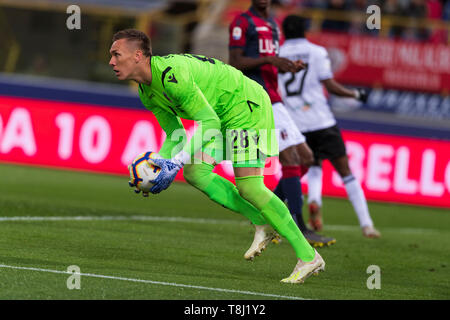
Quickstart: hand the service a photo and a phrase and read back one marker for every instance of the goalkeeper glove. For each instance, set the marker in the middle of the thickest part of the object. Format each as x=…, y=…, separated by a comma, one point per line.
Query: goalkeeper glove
x=169, y=169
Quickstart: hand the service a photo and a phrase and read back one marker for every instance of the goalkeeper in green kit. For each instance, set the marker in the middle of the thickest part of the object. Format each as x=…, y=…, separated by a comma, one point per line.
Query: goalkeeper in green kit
x=235, y=122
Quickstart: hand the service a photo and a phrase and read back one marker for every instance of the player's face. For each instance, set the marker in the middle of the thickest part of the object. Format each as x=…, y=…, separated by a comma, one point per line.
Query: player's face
x=122, y=59
x=261, y=4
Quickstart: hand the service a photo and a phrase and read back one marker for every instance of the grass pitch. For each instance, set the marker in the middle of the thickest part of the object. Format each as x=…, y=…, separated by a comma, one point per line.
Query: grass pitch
x=180, y=245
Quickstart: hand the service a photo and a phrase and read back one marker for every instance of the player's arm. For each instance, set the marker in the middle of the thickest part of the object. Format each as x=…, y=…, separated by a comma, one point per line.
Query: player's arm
x=240, y=61
x=336, y=88
x=192, y=104
x=175, y=133
x=237, y=43
x=323, y=64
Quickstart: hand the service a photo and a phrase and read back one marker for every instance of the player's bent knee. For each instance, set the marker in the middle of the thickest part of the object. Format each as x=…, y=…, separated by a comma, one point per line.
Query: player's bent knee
x=243, y=187
x=289, y=157
x=342, y=166
x=245, y=193
x=251, y=190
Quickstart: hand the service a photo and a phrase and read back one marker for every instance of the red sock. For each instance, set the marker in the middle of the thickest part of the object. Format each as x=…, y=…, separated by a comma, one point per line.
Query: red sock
x=294, y=171
x=303, y=170
x=290, y=171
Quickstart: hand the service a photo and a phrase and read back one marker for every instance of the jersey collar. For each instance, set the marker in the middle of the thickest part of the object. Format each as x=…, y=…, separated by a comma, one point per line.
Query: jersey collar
x=295, y=40
x=254, y=12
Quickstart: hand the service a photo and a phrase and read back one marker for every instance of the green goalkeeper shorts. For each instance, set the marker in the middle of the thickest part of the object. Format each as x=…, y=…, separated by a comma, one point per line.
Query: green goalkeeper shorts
x=241, y=152
x=249, y=137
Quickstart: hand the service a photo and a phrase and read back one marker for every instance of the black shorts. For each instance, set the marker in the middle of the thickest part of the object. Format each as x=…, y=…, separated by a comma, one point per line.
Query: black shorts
x=326, y=143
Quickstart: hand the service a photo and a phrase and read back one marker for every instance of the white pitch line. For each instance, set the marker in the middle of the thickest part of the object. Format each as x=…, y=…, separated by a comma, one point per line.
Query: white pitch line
x=155, y=282
x=122, y=218
x=199, y=220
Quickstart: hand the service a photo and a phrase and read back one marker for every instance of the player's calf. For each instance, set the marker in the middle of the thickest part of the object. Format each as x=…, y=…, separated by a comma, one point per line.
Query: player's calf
x=315, y=216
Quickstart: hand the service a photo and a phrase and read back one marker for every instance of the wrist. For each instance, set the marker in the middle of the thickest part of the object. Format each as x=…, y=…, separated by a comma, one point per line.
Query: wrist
x=181, y=158
x=267, y=59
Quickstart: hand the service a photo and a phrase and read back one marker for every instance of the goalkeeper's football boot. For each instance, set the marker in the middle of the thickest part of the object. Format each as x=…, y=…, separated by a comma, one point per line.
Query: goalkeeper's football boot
x=370, y=232
x=315, y=216
x=305, y=269
x=316, y=240
x=260, y=241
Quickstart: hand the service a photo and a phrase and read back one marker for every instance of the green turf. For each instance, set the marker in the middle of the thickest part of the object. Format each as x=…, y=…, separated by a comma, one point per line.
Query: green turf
x=413, y=252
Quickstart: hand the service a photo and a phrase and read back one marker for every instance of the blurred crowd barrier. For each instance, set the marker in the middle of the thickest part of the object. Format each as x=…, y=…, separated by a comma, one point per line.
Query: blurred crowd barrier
x=35, y=39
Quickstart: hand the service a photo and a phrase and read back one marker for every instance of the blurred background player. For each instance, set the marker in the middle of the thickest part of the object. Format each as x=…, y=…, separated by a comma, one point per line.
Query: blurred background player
x=253, y=48
x=179, y=86
x=306, y=102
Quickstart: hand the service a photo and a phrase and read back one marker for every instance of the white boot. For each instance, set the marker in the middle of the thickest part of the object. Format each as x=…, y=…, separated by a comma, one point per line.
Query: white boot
x=370, y=232
x=260, y=241
x=304, y=269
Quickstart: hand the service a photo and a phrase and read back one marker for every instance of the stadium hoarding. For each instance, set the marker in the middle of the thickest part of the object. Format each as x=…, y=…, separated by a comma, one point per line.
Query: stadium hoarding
x=404, y=104
x=104, y=139
x=381, y=62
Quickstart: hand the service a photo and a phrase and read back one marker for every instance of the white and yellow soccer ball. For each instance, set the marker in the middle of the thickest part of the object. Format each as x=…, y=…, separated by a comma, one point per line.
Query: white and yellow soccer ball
x=143, y=171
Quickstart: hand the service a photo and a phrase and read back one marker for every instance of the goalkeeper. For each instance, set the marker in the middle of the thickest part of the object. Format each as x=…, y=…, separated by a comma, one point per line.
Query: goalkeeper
x=236, y=123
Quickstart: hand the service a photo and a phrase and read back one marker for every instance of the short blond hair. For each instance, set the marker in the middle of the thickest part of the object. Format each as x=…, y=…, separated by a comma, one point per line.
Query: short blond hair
x=138, y=36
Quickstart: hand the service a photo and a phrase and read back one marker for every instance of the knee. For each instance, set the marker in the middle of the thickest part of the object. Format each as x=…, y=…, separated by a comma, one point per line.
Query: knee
x=344, y=172
x=308, y=160
x=243, y=190
x=289, y=157
x=306, y=154
x=342, y=166
x=254, y=191
x=250, y=190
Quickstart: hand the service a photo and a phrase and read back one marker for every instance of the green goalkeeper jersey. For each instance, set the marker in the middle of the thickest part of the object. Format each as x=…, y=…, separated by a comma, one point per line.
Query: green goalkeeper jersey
x=216, y=95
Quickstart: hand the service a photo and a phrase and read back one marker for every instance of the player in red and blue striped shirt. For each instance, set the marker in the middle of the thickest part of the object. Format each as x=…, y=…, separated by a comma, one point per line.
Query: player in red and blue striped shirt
x=253, y=47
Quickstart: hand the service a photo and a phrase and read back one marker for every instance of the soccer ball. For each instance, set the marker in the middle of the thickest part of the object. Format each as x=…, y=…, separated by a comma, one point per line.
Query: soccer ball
x=143, y=170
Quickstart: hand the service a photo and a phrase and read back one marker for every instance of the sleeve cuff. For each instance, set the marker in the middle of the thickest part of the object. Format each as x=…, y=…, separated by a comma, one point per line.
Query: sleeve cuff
x=182, y=157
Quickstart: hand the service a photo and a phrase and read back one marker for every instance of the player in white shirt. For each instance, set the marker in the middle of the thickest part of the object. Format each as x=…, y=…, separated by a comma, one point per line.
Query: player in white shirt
x=304, y=97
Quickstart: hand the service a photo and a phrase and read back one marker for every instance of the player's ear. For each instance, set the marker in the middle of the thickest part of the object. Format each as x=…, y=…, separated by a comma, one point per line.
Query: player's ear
x=138, y=55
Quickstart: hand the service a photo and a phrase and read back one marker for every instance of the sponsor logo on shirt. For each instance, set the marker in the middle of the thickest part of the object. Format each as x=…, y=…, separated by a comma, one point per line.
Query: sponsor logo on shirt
x=267, y=46
x=263, y=28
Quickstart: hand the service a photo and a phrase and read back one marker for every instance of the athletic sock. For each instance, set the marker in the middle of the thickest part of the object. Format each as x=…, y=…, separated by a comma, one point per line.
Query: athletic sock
x=303, y=170
x=289, y=188
x=276, y=213
x=221, y=191
x=357, y=198
x=315, y=185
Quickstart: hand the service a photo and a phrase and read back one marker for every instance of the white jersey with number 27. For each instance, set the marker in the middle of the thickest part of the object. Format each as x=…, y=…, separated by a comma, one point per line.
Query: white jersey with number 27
x=303, y=93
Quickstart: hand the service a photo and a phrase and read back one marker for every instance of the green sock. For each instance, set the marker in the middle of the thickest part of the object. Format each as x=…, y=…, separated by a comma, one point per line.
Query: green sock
x=221, y=190
x=276, y=213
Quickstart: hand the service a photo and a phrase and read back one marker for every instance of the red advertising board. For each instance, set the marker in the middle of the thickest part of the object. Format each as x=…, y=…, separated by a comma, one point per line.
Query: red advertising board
x=396, y=169
x=103, y=139
x=398, y=64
